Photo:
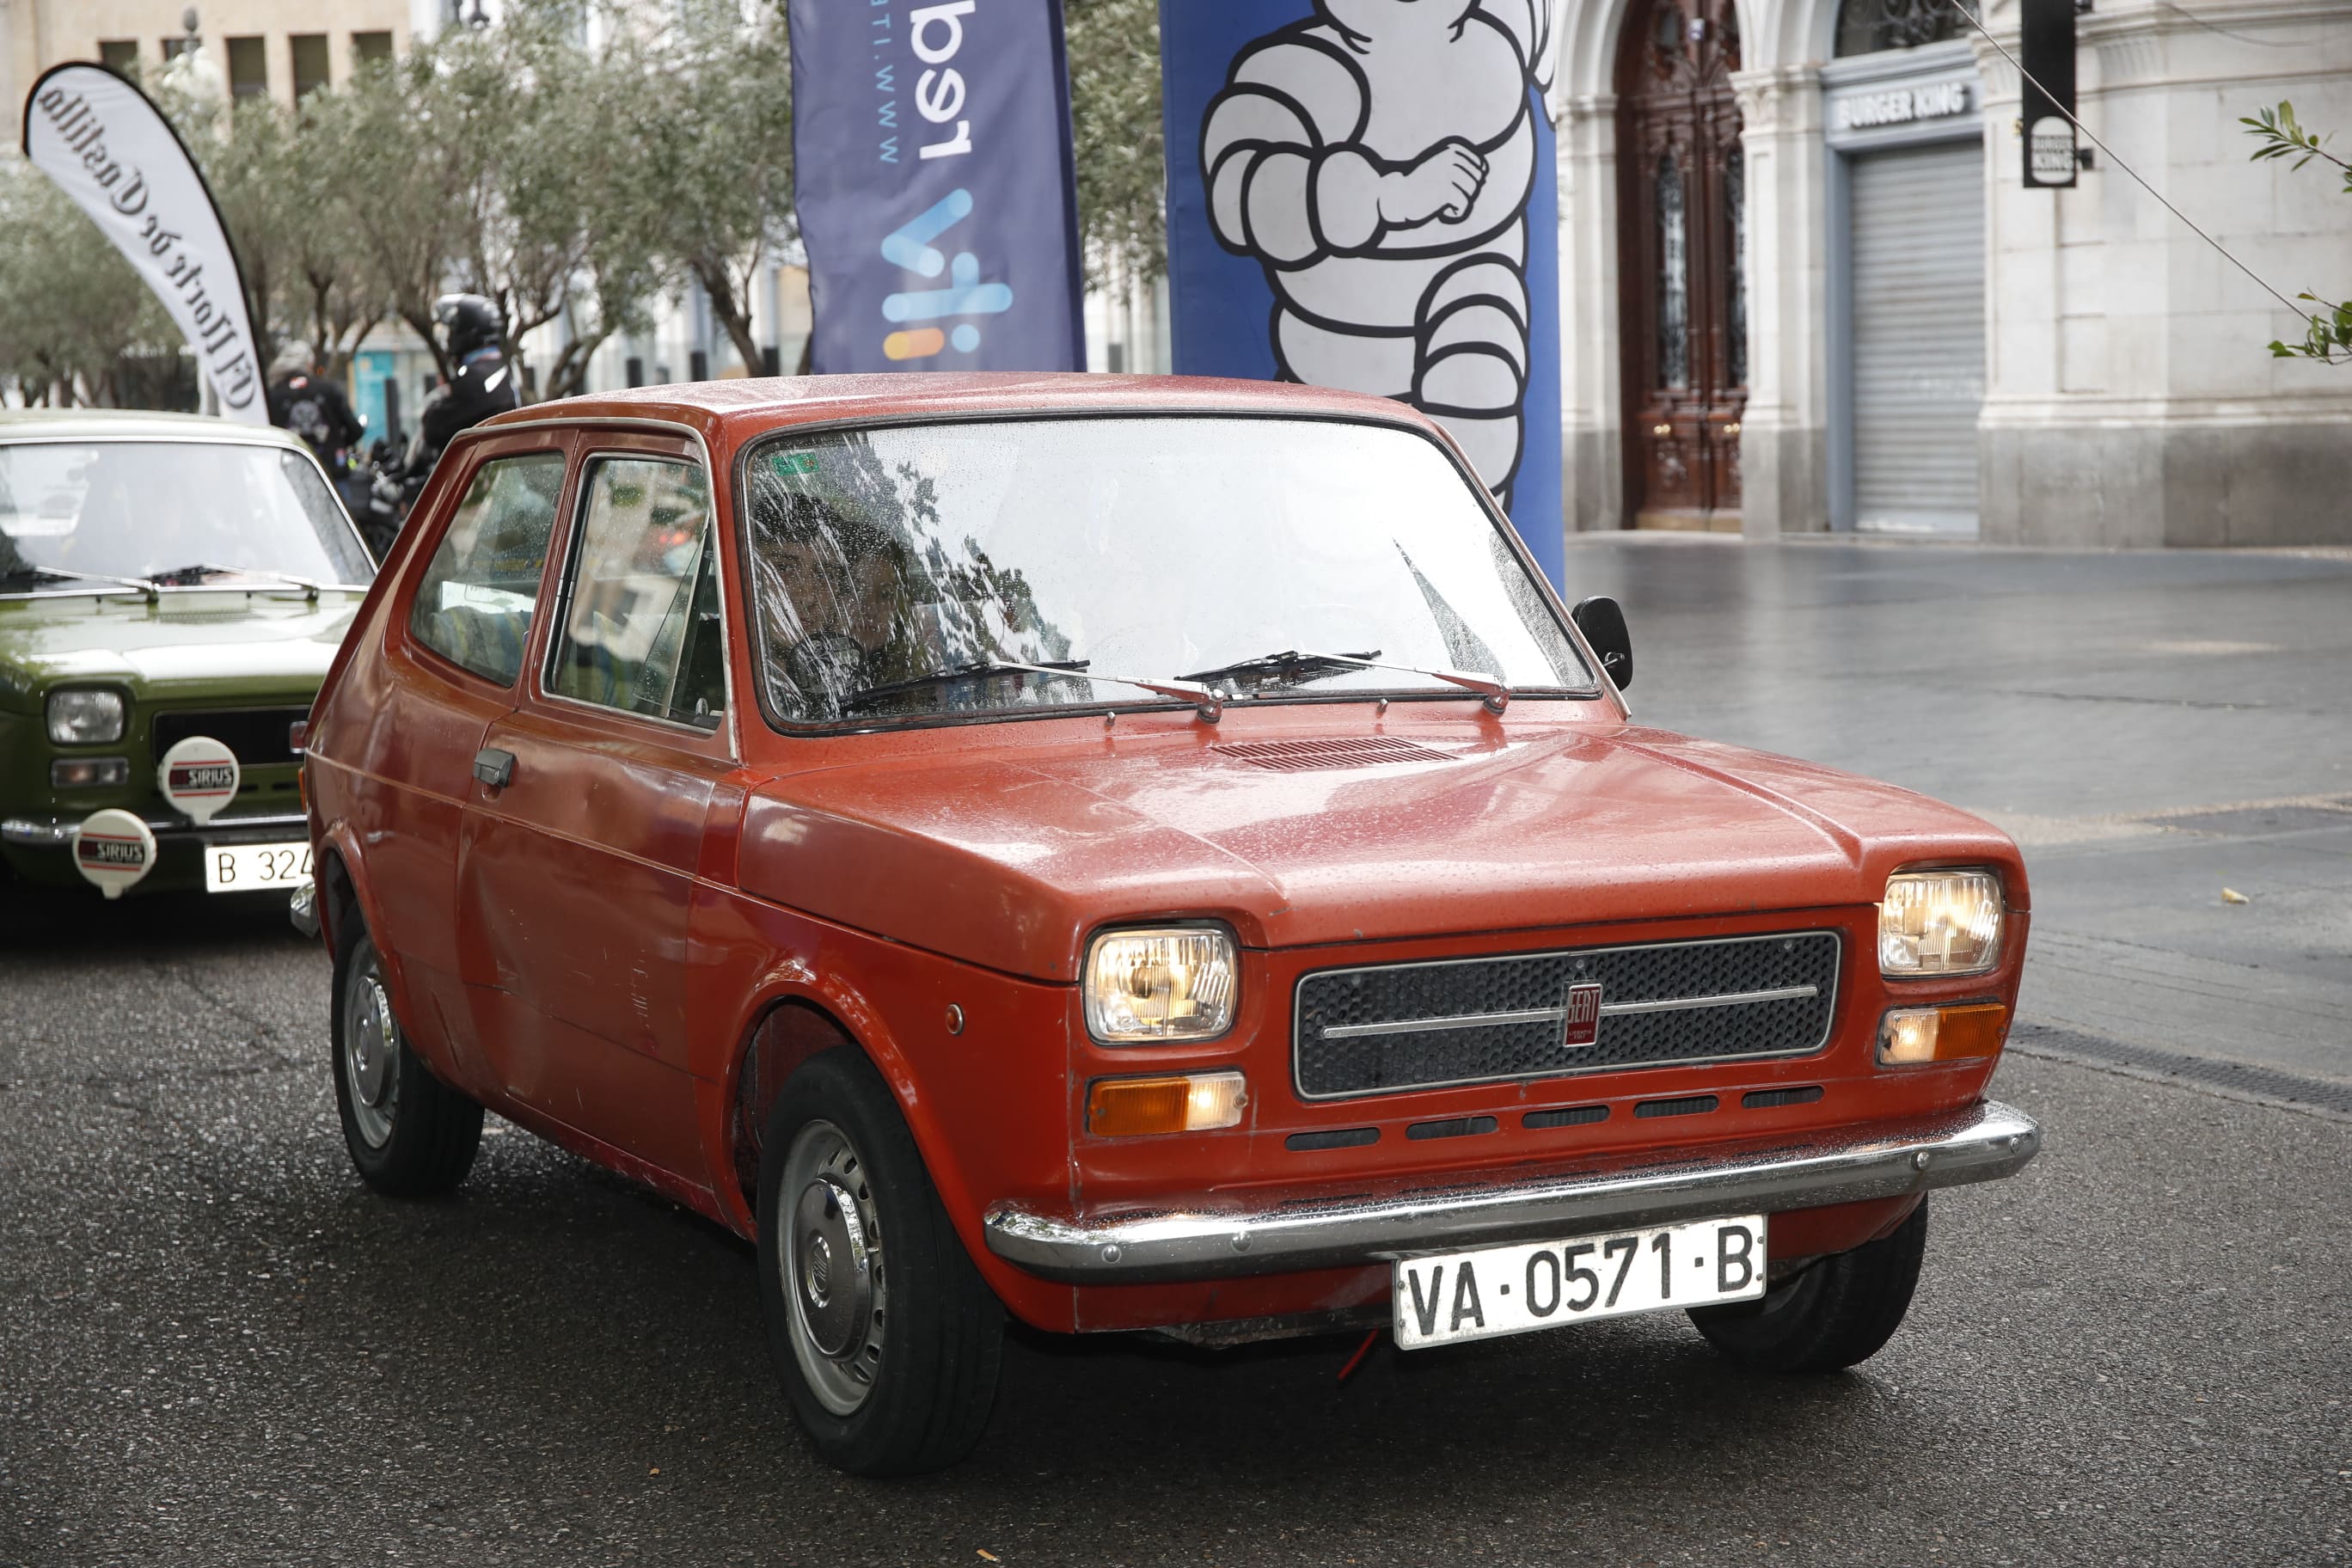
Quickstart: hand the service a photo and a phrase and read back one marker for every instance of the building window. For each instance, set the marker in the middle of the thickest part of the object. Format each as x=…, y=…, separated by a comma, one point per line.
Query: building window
x=176, y=47
x=310, y=63
x=119, y=55
x=1866, y=27
x=1735, y=225
x=1674, y=278
x=248, y=69
x=371, y=49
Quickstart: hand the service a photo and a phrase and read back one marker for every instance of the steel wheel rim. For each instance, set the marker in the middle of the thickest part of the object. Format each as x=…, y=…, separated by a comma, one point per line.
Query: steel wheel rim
x=830, y=1267
x=371, y=1057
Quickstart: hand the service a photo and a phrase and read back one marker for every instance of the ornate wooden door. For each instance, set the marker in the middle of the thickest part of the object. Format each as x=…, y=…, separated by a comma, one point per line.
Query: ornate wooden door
x=1681, y=219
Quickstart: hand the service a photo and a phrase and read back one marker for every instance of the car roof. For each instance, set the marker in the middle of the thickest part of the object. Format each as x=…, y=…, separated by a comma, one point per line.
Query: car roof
x=132, y=425
x=732, y=411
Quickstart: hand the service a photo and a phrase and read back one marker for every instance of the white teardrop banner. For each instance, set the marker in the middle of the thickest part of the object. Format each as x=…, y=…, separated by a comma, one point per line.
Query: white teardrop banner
x=111, y=150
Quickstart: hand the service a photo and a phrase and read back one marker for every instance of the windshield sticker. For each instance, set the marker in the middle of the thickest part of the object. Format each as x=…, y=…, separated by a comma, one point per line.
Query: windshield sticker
x=786, y=464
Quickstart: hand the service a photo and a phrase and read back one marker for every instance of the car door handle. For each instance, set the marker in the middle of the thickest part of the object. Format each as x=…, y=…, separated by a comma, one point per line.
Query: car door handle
x=494, y=767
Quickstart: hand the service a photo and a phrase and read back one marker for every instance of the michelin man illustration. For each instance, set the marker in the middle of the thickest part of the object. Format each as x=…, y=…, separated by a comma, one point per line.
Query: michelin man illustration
x=1377, y=159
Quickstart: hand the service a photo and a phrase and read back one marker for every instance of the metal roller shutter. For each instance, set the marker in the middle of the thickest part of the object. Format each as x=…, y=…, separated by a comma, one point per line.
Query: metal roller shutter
x=1919, y=336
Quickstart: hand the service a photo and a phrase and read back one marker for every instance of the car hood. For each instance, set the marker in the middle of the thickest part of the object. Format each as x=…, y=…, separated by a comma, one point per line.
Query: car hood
x=199, y=641
x=1010, y=859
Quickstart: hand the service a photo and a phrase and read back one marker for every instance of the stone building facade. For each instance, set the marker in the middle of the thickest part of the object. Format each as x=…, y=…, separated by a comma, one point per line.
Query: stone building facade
x=1850, y=312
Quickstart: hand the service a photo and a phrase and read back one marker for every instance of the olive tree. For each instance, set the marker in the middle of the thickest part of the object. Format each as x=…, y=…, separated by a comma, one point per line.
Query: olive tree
x=1114, y=124
x=2328, y=335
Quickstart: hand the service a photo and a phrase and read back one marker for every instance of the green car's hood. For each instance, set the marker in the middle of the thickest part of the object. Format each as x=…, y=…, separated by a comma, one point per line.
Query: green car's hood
x=218, y=642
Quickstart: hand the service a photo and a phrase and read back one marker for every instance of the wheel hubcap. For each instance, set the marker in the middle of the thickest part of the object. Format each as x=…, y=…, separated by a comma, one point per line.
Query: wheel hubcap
x=831, y=1266
x=371, y=1057
x=836, y=1272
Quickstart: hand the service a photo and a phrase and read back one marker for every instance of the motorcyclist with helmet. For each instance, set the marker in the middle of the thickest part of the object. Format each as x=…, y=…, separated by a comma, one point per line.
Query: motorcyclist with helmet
x=481, y=383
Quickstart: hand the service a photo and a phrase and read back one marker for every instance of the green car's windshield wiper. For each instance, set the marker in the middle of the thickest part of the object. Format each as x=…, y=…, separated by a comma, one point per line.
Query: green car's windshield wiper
x=1210, y=706
x=58, y=574
x=179, y=576
x=1312, y=665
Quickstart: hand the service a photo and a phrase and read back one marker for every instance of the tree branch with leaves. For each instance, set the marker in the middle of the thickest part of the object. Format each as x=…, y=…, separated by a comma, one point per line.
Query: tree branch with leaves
x=2329, y=334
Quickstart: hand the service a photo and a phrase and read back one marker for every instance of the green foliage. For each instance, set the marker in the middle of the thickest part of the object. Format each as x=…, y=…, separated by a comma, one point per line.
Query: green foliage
x=579, y=160
x=1116, y=131
x=2329, y=337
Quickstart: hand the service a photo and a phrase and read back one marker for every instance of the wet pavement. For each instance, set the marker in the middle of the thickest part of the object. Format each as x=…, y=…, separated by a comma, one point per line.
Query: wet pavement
x=215, y=1347
x=2153, y=728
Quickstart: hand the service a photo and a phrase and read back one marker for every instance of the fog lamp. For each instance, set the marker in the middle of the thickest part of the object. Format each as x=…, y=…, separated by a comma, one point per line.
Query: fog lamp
x=1180, y=1102
x=1910, y=1035
x=85, y=717
x=88, y=772
x=1171, y=985
x=1939, y=922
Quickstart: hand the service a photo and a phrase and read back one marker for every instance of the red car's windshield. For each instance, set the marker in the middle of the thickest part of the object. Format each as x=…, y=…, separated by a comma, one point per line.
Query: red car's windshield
x=887, y=564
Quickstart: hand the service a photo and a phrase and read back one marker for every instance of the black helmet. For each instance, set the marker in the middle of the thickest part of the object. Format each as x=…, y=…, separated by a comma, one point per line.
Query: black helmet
x=470, y=320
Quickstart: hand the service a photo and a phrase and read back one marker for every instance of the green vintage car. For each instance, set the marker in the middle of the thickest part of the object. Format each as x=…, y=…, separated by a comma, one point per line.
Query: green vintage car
x=162, y=577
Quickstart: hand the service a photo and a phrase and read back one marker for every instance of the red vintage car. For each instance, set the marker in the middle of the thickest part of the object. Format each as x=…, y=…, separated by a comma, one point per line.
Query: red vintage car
x=1138, y=854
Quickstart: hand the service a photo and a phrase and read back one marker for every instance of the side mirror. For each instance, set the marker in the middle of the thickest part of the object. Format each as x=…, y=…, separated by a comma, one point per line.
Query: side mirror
x=1602, y=622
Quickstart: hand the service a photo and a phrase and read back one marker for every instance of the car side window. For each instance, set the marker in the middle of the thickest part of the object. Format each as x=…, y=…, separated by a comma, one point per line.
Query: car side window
x=641, y=620
x=474, y=601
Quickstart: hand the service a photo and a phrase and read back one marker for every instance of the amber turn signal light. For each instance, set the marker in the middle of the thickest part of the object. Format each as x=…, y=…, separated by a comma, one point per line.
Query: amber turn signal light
x=1181, y=1102
x=1910, y=1035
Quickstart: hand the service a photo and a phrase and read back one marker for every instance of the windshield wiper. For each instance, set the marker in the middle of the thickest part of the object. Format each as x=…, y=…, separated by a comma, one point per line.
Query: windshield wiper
x=954, y=672
x=206, y=569
x=1496, y=695
x=57, y=574
x=1207, y=703
x=1290, y=662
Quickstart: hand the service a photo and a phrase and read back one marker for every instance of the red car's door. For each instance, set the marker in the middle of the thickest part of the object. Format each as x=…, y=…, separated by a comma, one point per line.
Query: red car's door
x=579, y=869
x=452, y=657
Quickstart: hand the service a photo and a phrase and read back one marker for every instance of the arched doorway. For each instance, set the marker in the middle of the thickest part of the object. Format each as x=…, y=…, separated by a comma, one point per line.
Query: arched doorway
x=1681, y=216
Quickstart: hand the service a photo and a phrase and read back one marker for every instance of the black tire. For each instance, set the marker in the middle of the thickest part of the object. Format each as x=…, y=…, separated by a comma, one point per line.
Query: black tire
x=1841, y=1311
x=888, y=1339
x=410, y=1135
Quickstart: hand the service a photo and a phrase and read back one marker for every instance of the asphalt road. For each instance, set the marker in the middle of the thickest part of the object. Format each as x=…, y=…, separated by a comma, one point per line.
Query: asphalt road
x=216, y=1347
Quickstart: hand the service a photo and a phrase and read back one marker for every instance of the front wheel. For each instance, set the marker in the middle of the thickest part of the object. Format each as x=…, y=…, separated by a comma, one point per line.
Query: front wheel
x=409, y=1134
x=1840, y=1311
x=888, y=1339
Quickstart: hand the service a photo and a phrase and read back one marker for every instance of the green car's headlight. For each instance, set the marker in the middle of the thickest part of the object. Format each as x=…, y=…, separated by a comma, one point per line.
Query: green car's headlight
x=1172, y=984
x=85, y=716
x=1939, y=922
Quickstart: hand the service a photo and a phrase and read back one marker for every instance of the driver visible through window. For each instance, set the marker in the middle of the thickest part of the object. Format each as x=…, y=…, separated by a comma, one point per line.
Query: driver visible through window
x=887, y=563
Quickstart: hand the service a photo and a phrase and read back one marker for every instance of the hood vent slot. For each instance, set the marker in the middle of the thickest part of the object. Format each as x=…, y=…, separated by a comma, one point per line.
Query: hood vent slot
x=1308, y=756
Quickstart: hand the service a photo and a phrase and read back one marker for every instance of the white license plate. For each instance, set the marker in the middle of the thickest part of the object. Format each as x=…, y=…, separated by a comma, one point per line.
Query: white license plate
x=1516, y=1289
x=255, y=868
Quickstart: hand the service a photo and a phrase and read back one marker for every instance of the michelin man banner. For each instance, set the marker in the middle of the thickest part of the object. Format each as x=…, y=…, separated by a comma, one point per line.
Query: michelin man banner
x=931, y=156
x=115, y=154
x=1360, y=195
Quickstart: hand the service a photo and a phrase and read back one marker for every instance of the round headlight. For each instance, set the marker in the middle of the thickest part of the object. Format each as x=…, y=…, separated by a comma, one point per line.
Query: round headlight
x=1175, y=983
x=85, y=716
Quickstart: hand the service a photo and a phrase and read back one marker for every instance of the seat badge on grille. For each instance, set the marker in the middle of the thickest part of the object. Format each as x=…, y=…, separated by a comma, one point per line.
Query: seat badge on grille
x=1580, y=1014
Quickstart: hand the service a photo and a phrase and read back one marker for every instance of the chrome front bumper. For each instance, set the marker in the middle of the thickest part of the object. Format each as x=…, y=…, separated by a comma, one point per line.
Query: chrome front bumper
x=1982, y=1143
x=57, y=832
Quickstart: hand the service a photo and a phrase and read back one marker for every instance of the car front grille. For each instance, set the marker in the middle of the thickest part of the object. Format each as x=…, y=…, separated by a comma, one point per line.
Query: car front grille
x=1384, y=1028
x=257, y=735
